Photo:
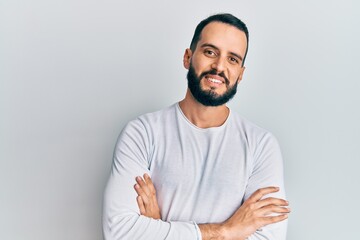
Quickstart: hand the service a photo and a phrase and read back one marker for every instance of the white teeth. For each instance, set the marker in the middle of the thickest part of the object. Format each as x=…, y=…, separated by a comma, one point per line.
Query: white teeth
x=214, y=80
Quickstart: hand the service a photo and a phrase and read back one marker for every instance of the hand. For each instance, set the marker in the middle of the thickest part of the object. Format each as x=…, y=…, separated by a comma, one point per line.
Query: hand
x=253, y=214
x=146, y=198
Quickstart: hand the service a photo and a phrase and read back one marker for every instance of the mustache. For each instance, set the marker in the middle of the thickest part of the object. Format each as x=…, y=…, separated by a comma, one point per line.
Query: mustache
x=214, y=72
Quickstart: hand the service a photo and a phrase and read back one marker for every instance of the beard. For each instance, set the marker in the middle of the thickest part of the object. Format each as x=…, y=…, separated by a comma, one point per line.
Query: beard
x=209, y=97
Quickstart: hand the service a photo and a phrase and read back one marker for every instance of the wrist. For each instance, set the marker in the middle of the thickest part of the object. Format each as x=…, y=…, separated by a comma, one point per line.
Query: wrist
x=229, y=231
x=212, y=231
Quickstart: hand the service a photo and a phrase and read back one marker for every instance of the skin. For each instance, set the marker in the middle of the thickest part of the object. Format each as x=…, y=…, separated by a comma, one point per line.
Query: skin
x=221, y=47
x=146, y=198
x=215, y=50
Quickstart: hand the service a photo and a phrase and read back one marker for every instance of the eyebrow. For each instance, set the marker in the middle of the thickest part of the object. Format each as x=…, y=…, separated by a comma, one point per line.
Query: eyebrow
x=213, y=46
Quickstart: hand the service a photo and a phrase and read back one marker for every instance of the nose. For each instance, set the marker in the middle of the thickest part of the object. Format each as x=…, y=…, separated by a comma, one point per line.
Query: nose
x=218, y=64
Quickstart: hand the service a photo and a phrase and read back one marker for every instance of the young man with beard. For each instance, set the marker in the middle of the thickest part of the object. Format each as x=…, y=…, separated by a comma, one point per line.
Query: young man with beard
x=214, y=175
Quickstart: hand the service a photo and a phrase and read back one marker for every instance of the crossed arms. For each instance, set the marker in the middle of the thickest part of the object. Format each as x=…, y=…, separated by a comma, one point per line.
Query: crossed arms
x=255, y=213
x=130, y=214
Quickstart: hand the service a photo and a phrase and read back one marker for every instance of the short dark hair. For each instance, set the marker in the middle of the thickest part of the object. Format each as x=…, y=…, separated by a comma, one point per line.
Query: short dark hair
x=226, y=18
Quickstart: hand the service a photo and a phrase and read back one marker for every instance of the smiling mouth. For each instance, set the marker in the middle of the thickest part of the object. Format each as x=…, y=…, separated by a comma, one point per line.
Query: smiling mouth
x=214, y=80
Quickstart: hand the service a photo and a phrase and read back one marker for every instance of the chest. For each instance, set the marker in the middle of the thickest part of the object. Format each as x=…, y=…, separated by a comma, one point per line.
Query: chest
x=200, y=167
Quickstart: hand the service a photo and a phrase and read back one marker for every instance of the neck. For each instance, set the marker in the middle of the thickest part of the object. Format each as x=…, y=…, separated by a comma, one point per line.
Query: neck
x=203, y=116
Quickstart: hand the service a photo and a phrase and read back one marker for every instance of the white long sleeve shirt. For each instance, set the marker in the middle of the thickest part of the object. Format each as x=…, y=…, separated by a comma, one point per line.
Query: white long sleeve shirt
x=200, y=175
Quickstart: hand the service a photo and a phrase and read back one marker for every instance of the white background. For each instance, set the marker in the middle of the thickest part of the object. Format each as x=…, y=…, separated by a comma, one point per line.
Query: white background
x=73, y=72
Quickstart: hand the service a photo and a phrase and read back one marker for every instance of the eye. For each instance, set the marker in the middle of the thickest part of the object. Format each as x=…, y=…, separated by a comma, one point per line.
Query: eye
x=233, y=60
x=209, y=52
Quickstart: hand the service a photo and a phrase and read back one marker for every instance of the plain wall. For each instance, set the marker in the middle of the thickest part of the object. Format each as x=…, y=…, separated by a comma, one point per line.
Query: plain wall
x=73, y=72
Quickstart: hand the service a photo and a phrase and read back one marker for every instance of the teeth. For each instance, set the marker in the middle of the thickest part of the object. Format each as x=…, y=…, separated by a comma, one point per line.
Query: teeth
x=214, y=80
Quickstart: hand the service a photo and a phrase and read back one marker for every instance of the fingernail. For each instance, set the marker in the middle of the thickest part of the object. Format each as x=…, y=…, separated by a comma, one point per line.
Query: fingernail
x=136, y=186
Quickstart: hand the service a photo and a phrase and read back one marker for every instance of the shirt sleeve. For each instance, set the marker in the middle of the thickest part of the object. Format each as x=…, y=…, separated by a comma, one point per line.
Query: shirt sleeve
x=121, y=218
x=268, y=171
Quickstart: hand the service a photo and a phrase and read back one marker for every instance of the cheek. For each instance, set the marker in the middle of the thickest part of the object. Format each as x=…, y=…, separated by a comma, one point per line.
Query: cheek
x=233, y=76
x=201, y=63
x=236, y=74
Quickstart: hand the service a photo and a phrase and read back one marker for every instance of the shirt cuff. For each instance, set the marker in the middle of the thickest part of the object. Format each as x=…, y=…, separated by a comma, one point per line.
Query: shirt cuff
x=198, y=232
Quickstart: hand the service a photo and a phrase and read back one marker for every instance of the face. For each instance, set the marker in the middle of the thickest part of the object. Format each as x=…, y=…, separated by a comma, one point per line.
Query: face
x=209, y=97
x=215, y=66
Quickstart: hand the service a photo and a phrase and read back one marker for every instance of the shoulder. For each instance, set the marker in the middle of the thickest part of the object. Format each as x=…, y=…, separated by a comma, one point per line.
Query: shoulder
x=256, y=137
x=149, y=122
x=154, y=120
x=141, y=131
x=263, y=145
x=157, y=116
x=248, y=127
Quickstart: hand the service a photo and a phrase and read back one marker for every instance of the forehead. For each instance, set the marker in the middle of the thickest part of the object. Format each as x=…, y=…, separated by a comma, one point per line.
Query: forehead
x=224, y=36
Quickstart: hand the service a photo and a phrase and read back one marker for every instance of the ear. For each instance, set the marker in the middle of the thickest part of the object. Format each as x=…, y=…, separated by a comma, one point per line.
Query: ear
x=241, y=74
x=187, y=58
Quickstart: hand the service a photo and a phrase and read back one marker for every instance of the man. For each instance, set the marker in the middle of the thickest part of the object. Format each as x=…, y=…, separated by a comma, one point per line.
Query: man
x=214, y=175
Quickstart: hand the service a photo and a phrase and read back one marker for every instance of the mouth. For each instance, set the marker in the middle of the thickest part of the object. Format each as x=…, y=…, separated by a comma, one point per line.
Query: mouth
x=214, y=79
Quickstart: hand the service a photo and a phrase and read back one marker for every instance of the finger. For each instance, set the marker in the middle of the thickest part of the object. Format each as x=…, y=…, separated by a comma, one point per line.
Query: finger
x=274, y=219
x=149, y=183
x=143, y=185
x=141, y=205
x=141, y=193
x=273, y=209
x=272, y=201
x=258, y=194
